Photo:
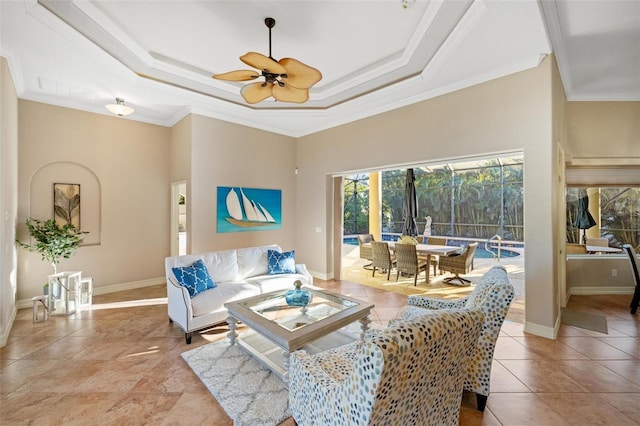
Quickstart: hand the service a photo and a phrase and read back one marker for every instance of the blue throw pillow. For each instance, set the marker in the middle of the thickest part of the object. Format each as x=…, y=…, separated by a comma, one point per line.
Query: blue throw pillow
x=281, y=263
x=195, y=278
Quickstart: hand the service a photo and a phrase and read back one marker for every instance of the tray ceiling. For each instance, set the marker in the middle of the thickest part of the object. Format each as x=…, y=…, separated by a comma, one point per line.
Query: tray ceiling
x=374, y=55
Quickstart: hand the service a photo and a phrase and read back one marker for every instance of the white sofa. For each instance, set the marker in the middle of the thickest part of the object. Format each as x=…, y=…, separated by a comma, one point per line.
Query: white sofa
x=238, y=274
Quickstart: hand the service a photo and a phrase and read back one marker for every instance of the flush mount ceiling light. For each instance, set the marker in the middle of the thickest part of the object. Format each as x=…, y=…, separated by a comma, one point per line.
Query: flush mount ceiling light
x=407, y=4
x=287, y=80
x=119, y=108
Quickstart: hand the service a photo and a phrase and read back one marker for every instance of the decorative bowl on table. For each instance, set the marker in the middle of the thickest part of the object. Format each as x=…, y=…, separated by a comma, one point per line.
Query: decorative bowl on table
x=298, y=297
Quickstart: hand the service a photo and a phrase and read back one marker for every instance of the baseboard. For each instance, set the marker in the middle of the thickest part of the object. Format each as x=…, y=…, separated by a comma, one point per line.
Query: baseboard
x=108, y=289
x=591, y=291
x=5, y=333
x=128, y=286
x=556, y=328
x=540, y=330
x=321, y=276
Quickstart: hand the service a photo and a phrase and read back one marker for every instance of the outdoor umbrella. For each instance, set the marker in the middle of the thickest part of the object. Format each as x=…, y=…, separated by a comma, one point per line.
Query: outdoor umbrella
x=584, y=220
x=410, y=206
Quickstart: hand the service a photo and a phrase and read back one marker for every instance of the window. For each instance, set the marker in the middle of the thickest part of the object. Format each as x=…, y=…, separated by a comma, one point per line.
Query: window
x=616, y=211
x=356, y=204
x=475, y=199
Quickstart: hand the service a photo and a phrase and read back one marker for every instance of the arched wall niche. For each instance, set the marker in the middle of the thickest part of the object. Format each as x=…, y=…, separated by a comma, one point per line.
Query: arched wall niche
x=41, y=195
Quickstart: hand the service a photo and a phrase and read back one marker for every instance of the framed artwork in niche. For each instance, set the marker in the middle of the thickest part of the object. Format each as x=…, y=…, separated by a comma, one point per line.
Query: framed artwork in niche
x=248, y=209
x=66, y=203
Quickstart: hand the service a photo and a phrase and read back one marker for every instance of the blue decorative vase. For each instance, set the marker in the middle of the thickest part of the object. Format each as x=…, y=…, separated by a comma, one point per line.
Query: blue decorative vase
x=298, y=297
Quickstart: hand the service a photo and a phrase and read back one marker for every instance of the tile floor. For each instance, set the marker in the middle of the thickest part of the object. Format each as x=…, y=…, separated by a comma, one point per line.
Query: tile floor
x=119, y=364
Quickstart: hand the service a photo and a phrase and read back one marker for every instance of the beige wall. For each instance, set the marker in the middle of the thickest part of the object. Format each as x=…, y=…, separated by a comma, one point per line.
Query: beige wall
x=601, y=133
x=226, y=154
x=505, y=115
x=180, y=150
x=8, y=199
x=180, y=171
x=603, y=130
x=594, y=274
x=130, y=161
x=558, y=298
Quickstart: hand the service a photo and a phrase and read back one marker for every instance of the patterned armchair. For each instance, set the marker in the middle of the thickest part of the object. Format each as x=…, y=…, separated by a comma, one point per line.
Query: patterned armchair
x=408, y=374
x=493, y=295
x=458, y=264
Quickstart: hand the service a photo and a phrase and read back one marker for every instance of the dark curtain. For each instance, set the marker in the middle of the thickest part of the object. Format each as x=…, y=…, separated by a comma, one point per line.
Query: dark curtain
x=410, y=206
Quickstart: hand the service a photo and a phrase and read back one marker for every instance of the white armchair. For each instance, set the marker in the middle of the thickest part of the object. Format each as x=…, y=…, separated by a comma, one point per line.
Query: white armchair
x=493, y=295
x=408, y=374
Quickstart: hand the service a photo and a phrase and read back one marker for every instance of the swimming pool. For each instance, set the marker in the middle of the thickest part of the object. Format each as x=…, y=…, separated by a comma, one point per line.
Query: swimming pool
x=481, y=253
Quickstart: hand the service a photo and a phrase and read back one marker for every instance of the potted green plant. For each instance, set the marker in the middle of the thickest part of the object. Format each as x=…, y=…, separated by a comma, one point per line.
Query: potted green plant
x=53, y=241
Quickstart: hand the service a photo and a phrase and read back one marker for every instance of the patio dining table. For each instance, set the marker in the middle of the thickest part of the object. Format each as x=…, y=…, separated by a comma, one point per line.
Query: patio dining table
x=429, y=250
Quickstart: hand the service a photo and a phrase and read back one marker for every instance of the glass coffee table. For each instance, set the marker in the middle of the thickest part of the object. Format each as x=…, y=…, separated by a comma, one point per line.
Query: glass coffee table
x=277, y=329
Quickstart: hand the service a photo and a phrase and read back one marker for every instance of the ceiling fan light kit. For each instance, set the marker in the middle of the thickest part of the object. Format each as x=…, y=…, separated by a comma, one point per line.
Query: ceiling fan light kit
x=119, y=108
x=286, y=80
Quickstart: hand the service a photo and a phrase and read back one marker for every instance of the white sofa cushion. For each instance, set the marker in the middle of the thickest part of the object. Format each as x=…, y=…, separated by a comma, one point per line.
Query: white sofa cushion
x=214, y=299
x=222, y=265
x=253, y=261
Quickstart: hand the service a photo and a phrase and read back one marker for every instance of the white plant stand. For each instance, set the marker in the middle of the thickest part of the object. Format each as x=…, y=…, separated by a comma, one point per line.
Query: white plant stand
x=64, y=293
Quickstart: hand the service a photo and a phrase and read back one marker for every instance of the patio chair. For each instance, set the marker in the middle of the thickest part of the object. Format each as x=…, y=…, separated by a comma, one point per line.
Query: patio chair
x=382, y=258
x=435, y=259
x=408, y=262
x=364, y=241
x=437, y=241
x=600, y=242
x=458, y=264
x=492, y=294
x=576, y=248
x=633, y=260
x=410, y=373
x=407, y=239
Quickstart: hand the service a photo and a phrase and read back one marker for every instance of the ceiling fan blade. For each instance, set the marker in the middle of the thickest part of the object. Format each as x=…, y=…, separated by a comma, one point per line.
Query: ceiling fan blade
x=300, y=75
x=261, y=62
x=240, y=75
x=256, y=92
x=289, y=93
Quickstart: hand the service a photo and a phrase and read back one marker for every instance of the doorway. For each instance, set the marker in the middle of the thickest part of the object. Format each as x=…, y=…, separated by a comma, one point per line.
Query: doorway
x=179, y=218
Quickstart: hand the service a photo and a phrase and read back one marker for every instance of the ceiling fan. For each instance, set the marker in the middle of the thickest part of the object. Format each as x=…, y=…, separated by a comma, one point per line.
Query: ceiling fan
x=287, y=80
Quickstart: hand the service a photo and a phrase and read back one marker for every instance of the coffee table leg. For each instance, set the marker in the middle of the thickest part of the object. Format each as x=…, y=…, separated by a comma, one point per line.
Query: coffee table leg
x=364, y=326
x=232, y=330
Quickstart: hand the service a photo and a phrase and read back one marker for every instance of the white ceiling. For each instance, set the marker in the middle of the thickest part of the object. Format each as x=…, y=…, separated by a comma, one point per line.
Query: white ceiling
x=374, y=55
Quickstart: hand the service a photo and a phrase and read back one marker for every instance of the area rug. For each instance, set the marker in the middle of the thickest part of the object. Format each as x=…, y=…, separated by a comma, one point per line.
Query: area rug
x=586, y=320
x=250, y=394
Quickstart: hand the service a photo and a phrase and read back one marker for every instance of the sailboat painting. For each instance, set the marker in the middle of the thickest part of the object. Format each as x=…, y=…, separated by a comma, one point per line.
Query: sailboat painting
x=248, y=209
